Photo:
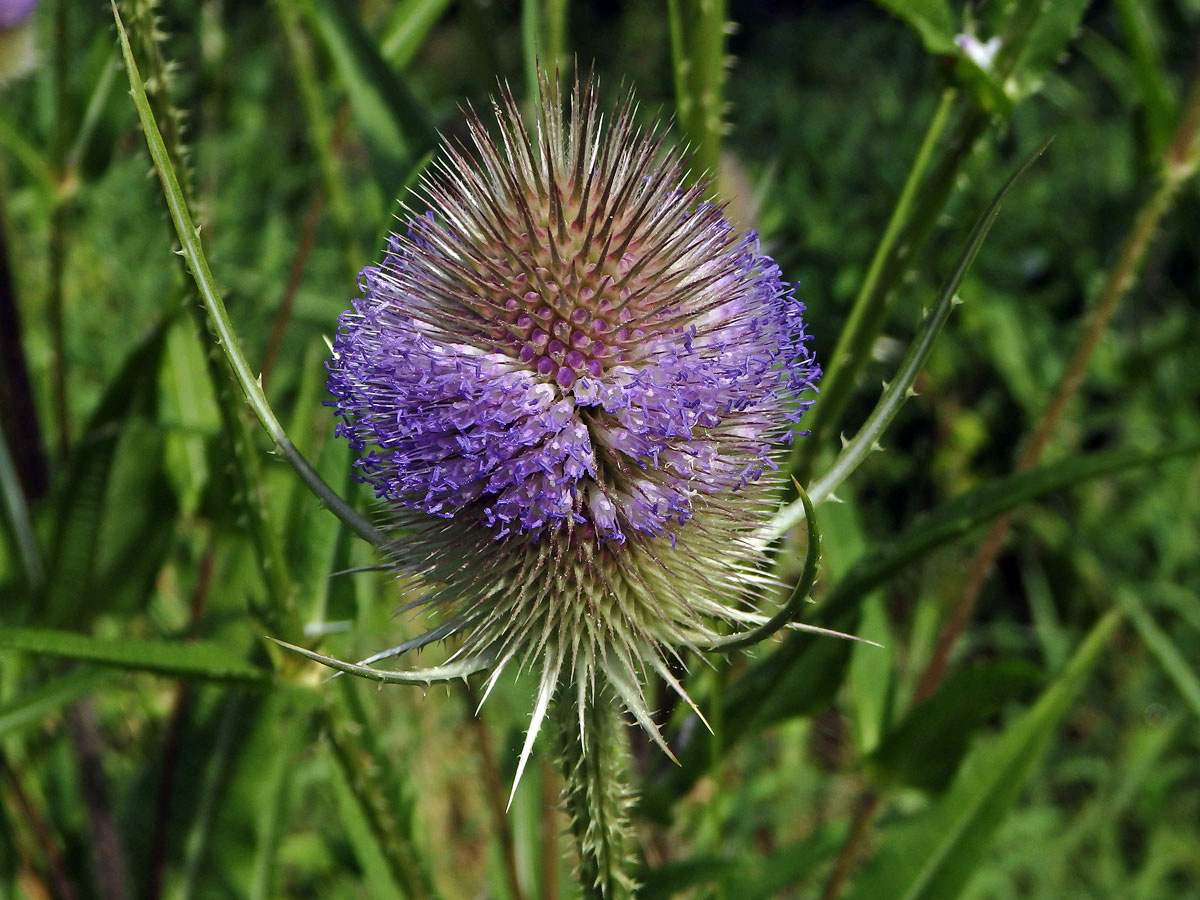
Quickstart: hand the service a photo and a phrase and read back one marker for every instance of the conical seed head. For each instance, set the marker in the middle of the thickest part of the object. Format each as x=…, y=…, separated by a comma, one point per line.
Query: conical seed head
x=567, y=380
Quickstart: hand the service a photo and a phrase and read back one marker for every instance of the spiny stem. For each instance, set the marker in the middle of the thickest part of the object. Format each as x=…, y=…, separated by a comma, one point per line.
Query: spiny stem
x=594, y=760
x=922, y=199
x=872, y=295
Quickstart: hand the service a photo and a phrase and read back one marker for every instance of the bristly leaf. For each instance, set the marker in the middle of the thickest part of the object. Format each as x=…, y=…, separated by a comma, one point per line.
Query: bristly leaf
x=897, y=390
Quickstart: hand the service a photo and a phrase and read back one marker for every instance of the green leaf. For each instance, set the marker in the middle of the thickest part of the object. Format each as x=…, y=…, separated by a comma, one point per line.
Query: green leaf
x=960, y=515
x=870, y=677
x=191, y=659
x=899, y=389
x=1055, y=29
x=34, y=706
x=925, y=748
x=1178, y=667
x=1151, y=77
x=743, y=879
x=933, y=856
x=17, y=519
x=933, y=20
x=188, y=410
x=783, y=685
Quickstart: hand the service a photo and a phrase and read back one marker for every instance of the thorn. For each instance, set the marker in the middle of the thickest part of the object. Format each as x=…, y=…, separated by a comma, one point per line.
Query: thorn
x=876, y=447
x=911, y=392
x=886, y=385
x=845, y=440
x=956, y=301
x=834, y=498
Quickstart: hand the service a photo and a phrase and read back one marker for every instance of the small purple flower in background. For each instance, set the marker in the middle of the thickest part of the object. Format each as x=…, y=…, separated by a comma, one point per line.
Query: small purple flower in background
x=14, y=12
x=16, y=38
x=568, y=381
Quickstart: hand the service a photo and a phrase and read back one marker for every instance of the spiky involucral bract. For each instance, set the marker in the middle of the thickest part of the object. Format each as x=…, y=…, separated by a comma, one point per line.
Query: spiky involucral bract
x=567, y=380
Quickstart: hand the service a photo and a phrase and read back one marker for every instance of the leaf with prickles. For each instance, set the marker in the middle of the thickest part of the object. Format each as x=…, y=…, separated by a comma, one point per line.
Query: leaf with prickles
x=791, y=610
x=895, y=392
x=435, y=674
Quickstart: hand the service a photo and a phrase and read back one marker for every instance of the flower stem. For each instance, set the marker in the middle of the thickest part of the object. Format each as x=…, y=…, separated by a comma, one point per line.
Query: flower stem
x=594, y=760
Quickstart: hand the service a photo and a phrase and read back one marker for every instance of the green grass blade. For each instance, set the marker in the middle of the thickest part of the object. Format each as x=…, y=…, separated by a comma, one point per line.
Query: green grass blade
x=970, y=510
x=390, y=117
x=190, y=659
x=381, y=795
x=407, y=27
x=1152, y=82
x=900, y=388
x=34, y=706
x=81, y=498
x=236, y=711
x=934, y=856
x=321, y=129
x=193, y=251
x=16, y=517
x=926, y=746
x=1175, y=664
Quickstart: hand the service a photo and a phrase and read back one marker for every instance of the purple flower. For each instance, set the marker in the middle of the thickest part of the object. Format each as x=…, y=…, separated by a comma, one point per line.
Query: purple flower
x=14, y=12
x=567, y=382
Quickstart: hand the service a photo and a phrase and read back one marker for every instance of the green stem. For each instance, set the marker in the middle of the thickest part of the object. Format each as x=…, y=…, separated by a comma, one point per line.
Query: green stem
x=698, y=29
x=921, y=201
x=214, y=306
x=594, y=761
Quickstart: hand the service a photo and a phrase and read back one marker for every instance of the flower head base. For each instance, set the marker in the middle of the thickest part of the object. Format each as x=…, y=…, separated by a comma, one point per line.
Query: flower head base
x=567, y=381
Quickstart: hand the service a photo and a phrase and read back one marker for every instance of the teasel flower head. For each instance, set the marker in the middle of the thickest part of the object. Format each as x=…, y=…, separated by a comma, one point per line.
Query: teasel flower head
x=570, y=382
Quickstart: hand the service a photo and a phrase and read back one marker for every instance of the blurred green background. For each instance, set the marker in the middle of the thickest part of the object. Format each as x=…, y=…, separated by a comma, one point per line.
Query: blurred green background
x=1059, y=757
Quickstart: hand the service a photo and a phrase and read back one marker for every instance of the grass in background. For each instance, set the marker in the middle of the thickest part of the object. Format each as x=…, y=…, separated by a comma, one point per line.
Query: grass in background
x=152, y=745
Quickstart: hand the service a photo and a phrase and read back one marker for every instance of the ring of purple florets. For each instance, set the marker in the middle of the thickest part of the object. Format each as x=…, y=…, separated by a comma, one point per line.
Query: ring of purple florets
x=568, y=408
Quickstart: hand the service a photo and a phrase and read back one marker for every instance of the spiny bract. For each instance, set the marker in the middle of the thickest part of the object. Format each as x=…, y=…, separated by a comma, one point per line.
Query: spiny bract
x=567, y=380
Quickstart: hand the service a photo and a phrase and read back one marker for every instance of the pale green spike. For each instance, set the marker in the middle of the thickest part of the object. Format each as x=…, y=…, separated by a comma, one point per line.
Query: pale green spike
x=545, y=694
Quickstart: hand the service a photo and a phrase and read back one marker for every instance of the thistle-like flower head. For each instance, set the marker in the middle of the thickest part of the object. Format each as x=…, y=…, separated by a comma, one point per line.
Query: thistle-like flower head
x=567, y=380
